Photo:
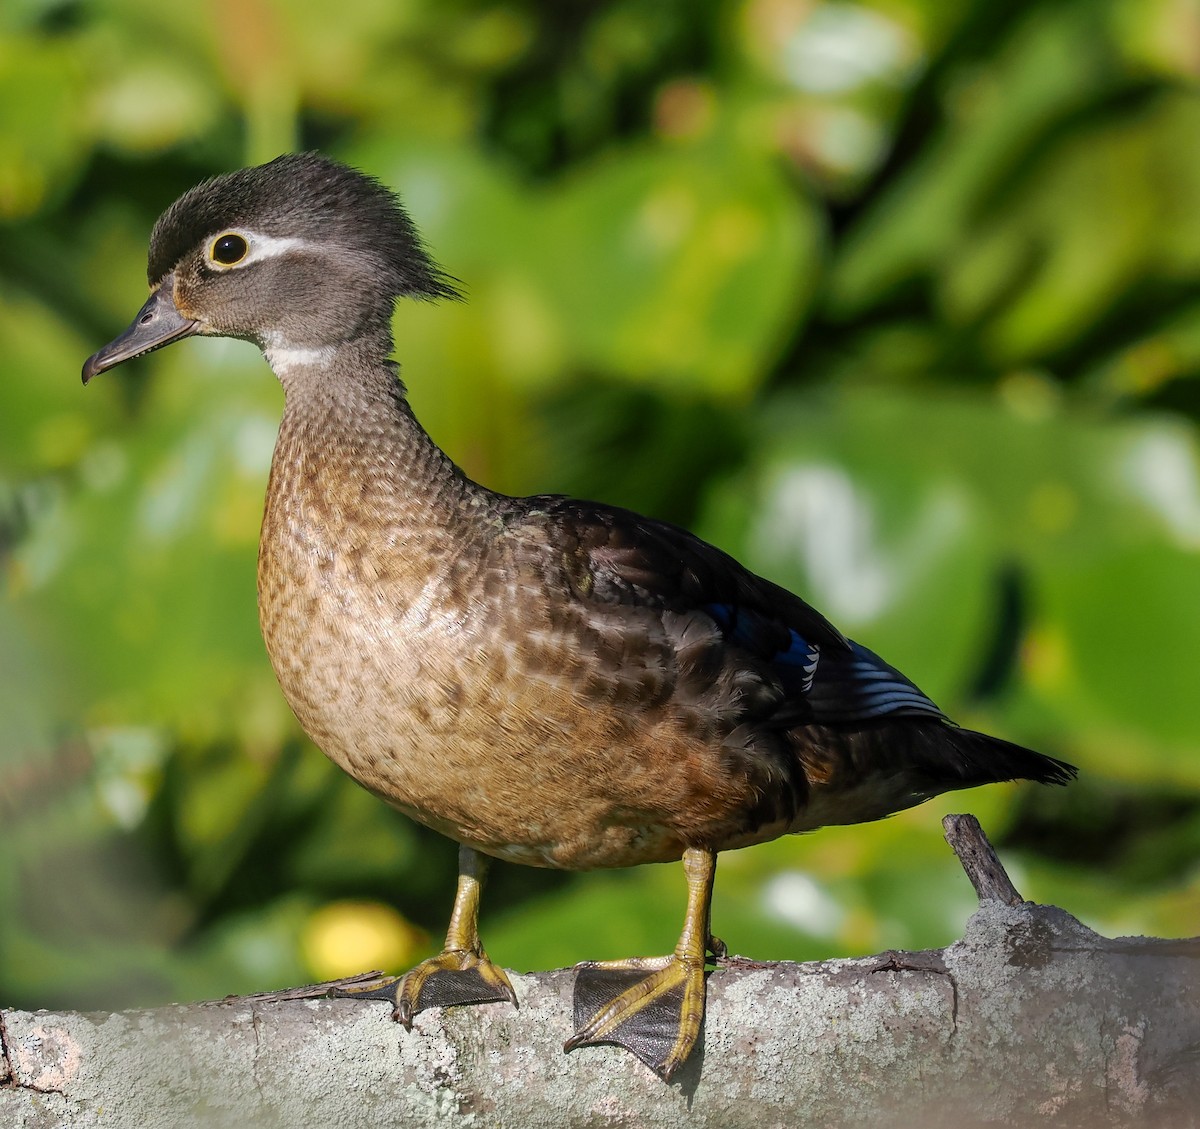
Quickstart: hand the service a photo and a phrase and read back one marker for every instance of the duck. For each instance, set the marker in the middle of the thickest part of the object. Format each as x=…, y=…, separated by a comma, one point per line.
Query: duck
x=544, y=680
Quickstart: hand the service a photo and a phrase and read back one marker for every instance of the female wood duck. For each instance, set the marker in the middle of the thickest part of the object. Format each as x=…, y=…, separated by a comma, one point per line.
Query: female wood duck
x=547, y=681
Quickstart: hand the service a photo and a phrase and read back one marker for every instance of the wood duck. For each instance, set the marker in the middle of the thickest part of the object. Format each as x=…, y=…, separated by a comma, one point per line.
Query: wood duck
x=548, y=681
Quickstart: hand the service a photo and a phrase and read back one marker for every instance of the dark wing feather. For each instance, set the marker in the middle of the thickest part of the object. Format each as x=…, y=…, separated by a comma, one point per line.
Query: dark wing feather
x=618, y=556
x=861, y=687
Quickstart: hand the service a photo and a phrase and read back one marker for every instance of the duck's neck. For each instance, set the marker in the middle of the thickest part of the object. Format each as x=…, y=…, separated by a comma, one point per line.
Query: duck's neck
x=350, y=448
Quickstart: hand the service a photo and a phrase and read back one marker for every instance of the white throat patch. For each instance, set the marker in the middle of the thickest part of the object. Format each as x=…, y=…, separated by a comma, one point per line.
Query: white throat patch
x=283, y=358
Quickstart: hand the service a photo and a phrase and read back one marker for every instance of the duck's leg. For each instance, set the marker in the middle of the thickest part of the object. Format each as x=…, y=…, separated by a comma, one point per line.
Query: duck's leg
x=462, y=973
x=653, y=1006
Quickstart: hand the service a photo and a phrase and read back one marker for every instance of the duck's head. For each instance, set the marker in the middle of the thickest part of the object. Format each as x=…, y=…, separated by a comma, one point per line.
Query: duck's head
x=299, y=254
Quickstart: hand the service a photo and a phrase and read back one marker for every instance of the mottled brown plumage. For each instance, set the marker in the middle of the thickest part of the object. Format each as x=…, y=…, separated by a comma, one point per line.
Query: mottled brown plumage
x=550, y=682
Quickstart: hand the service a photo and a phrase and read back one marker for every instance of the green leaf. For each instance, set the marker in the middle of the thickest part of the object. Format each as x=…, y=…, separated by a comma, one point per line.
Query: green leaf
x=679, y=267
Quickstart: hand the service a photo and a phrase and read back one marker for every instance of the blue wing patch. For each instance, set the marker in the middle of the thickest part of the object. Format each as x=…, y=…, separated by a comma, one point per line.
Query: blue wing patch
x=843, y=688
x=765, y=637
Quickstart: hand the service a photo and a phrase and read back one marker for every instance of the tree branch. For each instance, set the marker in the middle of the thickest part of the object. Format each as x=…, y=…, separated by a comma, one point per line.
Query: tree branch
x=979, y=860
x=1030, y=1019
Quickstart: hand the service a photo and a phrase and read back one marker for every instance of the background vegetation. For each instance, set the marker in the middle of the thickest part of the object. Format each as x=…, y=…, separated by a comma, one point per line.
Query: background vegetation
x=897, y=301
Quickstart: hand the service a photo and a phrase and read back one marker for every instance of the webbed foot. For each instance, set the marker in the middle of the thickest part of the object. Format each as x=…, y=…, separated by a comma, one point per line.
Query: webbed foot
x=454, y=976
x=653, y=1007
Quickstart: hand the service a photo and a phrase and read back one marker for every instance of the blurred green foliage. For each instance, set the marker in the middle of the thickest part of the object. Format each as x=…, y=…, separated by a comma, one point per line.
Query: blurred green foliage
x=896, y=300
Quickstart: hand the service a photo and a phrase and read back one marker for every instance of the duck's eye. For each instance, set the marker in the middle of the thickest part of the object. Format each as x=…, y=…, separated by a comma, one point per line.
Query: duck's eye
x=228, y=249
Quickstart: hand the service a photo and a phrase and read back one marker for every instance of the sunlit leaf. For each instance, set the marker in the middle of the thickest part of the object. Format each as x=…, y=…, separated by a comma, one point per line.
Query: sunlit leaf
x=680, y=267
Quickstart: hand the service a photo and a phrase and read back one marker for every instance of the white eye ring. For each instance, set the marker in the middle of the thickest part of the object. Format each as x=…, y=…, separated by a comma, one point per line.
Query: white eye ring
x=252, y=246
